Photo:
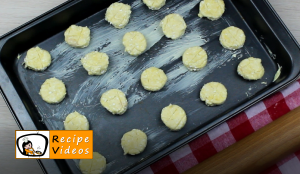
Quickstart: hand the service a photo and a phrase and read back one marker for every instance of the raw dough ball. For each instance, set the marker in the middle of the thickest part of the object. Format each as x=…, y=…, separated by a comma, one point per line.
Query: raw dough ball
x=53, y=90
x=95, y=63
x=153, y=79
x=173, y=26
x=76, y=121
x=77, y=36
x=154, y=4
x=232, y=38
x=194, y=58
x=118, y=14
x=174, y=117
x=213, y=93
x=135, y=43
x=93, y=166
x=134, y=142
x=37, y=59
x=212, y=9
x=114, y=101
x=251, y=69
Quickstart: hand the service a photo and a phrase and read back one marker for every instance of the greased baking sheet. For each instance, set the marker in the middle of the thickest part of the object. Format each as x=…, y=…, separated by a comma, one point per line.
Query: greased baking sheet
x=182, y=88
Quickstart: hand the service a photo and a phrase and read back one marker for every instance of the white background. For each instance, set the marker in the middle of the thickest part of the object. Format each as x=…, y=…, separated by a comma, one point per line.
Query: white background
x=38, y=143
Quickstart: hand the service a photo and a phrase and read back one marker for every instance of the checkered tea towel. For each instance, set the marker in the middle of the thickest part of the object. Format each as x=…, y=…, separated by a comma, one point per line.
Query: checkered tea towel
x=232, y=131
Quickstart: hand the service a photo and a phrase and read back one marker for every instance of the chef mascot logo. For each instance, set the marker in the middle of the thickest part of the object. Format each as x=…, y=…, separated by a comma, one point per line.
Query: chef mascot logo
x=32, y=144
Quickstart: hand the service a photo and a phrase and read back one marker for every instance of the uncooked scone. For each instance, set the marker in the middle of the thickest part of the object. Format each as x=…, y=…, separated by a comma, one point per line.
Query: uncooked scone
x=232, y=38
x=173, y=26
x=251, y=69
x=135, y=43
x=118, y=14
x=37, y=59
x=95, y=63
x=53, y=90
x=114, y=101
x=174, y=117
x=76, y=121
x=93, y=166
x=134, y=142
x=153, y=79
x=212, y=9
x=77, y=36
x=213, y=93
x=154, y=4
x=194, y=58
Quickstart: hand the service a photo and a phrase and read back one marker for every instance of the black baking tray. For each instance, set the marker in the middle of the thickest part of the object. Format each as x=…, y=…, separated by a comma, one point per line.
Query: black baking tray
x=267, y=38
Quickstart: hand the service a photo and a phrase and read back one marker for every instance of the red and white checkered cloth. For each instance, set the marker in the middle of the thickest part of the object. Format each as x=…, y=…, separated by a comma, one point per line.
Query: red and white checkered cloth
x=232, y=131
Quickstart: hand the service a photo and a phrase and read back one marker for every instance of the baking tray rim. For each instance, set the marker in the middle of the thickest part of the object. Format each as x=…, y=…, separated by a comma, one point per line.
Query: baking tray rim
x=17, y=107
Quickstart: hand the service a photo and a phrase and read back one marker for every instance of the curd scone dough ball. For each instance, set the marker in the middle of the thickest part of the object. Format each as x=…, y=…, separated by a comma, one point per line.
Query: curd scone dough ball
x=174, y=117
x=37, y=59
x=134, y=142
x=53, y=90
x=213, y=93
x=173, y=26
x=232, y=38
x=212, y=9
x=251, y=69
x=114, y=101
x=135, y=43
x=194, y=58
x=118, y=14
x=153, y=79
x=77, y=36
x=96, y=165
x=154, y=4
x=95, y=63
x=76, y=121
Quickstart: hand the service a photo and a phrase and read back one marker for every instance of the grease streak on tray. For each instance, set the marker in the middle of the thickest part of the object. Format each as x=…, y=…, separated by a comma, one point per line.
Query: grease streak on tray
x=182, y=88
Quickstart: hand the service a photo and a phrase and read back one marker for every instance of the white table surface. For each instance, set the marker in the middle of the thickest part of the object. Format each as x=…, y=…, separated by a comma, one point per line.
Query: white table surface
x=16, y=12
